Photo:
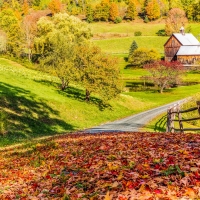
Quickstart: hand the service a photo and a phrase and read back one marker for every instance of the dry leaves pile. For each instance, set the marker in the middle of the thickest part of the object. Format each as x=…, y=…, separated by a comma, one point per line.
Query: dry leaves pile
x=104, y=166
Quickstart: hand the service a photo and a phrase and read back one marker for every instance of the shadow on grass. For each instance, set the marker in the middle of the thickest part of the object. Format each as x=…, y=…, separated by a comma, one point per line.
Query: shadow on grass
x=78, y=94
x=159, y=126
x=27, y=117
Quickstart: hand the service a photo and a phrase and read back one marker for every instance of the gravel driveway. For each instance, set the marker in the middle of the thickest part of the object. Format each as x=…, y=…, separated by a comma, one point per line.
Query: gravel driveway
x=134, y=122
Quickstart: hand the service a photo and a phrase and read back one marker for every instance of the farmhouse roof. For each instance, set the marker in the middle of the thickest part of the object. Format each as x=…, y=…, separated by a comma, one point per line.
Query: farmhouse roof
x=186, y=39
x=189, y=50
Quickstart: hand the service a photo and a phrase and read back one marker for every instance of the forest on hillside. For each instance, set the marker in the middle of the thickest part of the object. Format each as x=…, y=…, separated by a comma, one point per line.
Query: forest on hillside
x=108, y=10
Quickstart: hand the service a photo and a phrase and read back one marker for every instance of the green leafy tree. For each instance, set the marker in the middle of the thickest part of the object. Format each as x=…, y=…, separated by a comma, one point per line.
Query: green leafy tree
x=55, y=42
x=99, y=73
x=60, y=61
x=131, y=10
x=165, y=73
x=164, y=7
x=153, y=10
x=133, y=47
x=76, y=30
x=3, y=42
x=195, y=14
x=102, y=11
x=187, y=7
x=10, y=24
x=175, y=19
x=89, y=13
x=142, y=56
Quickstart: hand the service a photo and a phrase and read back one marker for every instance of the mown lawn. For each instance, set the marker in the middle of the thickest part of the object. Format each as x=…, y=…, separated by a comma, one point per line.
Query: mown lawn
x=129, y=28
x=122, y=45
x=103, y=167
x=149, y=29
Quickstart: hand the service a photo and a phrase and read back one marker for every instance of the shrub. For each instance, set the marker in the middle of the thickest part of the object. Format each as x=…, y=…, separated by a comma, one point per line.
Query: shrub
x=146, y=19
x=138, y=33
x=161, y=33
x=118, y=20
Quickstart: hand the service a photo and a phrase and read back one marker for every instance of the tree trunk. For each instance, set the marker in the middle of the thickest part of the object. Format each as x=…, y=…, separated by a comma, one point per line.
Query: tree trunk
x=87, y=95
x=64, y=84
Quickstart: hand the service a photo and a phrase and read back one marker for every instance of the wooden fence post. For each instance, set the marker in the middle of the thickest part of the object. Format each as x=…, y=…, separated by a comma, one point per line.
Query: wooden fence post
x=180, y=119
x=168, y=120
x=198, y=106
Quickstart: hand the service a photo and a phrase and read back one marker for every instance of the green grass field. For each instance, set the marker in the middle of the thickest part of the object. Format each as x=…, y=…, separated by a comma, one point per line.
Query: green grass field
x=147, y=29
x=122, y=45
x=129, y=29
x=117, y=38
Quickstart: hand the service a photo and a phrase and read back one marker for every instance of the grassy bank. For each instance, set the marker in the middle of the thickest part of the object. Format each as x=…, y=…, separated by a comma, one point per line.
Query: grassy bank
x=33, y=106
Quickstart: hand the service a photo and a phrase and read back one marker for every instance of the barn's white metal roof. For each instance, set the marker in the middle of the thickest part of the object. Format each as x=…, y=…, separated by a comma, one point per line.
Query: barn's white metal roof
x=189, y=50
x=186, y=39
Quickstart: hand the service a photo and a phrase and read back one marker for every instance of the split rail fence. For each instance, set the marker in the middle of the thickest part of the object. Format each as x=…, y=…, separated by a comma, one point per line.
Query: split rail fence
x=175, y=112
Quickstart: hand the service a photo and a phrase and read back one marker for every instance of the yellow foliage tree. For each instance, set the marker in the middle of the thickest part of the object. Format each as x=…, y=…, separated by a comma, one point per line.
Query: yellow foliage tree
x=153, y=10
x=132, y=10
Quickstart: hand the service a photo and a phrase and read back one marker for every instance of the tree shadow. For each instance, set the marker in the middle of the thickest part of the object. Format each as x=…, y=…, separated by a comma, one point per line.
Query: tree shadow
x=160, y=125
x=27, y=116
x=78, y=94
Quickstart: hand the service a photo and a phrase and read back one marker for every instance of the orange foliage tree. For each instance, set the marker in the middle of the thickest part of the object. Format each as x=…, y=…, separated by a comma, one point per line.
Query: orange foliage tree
x=55, y=6
x=114, y=12
x=25, y=7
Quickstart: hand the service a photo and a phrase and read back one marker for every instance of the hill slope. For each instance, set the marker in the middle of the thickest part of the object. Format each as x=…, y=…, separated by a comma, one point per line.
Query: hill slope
x=32, y=105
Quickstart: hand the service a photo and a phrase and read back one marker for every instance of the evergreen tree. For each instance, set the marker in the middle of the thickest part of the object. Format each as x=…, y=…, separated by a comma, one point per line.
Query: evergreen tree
x=133, y=47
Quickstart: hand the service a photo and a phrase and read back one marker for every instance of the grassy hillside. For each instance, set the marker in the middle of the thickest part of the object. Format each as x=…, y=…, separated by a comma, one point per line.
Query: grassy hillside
x=117, y=38
x=33, y=105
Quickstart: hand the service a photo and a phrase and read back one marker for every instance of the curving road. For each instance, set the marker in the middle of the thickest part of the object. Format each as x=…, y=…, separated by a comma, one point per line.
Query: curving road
x=134, y=122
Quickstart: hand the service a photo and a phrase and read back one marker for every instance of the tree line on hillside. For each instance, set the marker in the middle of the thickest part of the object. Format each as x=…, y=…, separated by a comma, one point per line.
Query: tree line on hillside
x=108, y=10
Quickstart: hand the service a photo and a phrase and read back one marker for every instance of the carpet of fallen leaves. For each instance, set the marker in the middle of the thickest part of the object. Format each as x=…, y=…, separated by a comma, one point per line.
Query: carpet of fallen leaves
x=122, y=166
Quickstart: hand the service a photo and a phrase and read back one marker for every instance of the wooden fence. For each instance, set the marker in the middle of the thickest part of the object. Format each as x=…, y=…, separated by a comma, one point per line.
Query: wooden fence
x=175, y=112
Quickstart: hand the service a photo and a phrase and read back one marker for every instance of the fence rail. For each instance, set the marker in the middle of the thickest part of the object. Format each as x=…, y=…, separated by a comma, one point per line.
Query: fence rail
x=174, y=112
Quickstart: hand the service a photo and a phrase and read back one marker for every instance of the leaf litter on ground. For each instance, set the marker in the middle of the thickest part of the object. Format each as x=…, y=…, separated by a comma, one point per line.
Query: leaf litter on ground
x=104, y=166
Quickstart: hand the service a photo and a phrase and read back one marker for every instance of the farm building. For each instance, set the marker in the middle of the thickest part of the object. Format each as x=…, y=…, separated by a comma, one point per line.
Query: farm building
x=183, y=47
